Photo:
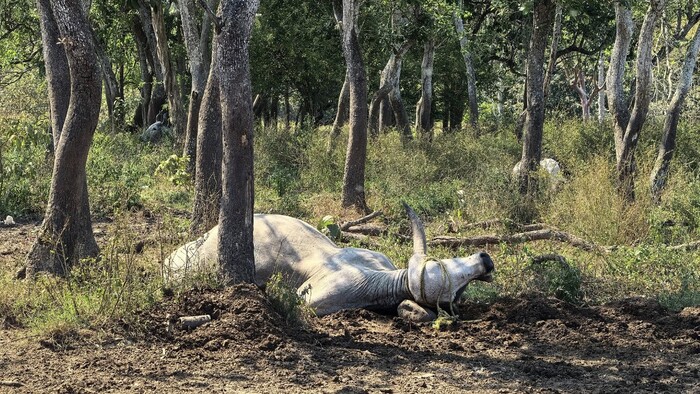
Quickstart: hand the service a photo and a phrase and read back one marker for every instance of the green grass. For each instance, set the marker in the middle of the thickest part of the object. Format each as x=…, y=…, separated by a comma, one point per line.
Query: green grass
x=458, y=179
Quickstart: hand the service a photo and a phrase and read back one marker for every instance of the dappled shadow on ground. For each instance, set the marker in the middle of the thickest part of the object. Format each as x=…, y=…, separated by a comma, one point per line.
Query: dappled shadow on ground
x=520, y=344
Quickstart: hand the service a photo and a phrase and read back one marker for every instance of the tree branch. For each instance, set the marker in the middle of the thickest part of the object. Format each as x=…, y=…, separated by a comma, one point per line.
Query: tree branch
x=536, y=235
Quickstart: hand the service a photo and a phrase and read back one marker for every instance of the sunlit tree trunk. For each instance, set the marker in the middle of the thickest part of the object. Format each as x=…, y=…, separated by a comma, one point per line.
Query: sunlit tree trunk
x=176, y=110
x=534, y=121
x=628, y=126
x=469, y=64
x=659, y=174
x=198, y=71
x=207, y=181
x=236, y=259
x=424, y=121
x=354, y=173
x=66, y=233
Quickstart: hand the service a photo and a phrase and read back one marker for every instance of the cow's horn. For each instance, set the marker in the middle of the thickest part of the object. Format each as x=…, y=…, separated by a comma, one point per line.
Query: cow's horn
x=419, y=244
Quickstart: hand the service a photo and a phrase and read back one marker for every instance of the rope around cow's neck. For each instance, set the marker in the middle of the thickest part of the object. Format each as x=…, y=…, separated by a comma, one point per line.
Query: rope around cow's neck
x=445, y=277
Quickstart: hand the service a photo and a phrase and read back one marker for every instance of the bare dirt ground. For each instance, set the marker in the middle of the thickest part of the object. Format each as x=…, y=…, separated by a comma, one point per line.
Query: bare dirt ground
x=524, y=344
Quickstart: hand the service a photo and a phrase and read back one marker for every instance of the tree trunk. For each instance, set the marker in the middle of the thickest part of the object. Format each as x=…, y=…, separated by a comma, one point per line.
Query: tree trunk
x=195, y=54
x=158, y=96
x=556, y=37
x=627, y=133
x=111, y=87
x=236, y=260
x=424, y=121
x=207, y=181
x=341, y=114
x=176, y=111
x=66, y=233
x=471, y=75
x=56, y=65
x=659, y=174
x=534, y=120
x=400, y=114
x=601, y=86
x=386, y=116
x=356, y=155
x=141, y=117
x=388, y=81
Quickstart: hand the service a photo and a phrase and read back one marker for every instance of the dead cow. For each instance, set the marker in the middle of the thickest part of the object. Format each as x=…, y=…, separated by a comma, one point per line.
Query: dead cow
x=330, y=278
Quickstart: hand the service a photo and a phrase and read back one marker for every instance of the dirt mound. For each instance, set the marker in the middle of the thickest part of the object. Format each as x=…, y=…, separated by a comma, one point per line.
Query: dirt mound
x=238, y=313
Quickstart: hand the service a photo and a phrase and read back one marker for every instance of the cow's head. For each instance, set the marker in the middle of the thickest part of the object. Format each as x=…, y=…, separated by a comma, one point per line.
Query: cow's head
x=432, y=281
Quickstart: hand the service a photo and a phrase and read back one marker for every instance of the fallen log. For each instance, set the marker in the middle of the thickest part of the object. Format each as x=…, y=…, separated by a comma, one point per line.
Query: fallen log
x=367, y=229
x=528, y=236
x=487, y=224
x=345, y=226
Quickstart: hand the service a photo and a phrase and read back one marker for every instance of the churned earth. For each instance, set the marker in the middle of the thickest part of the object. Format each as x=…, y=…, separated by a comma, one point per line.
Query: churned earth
x=524, y=344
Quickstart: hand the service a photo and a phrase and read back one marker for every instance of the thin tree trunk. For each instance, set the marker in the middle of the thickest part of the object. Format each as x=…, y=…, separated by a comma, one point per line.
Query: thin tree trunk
x=659, y=174
x=66, y=233
x=158, y=96
x=534, y=121
x=341, y=114
x=356, y=156
x=556, y=37
x=626, y=138
x=177, y=112
x=386, y=115
x=388, y=81
x=601, y=86
x=207, y=181
x=195, y=54
x=400, y=114
x=56, y=65
x=468, y=63
x=424, y=121
x=236, y=259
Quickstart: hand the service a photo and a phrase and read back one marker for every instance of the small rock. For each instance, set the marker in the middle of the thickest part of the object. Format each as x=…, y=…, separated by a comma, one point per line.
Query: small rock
x=411, y=311
x=9, y=221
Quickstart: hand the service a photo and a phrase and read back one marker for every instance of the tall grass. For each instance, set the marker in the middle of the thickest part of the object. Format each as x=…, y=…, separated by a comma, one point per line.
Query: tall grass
x=457, y=179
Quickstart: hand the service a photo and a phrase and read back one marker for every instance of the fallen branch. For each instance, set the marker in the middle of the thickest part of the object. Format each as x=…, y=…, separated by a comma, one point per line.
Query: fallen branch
x=10, y=383
x=537, y=235
x=345, y=226
x=367, y=229
x=487, y=224
x=695, y=245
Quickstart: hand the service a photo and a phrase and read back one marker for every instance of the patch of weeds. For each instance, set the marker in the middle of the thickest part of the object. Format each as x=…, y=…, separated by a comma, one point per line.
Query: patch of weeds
x=558, y=278
x=286, y=301
x=687, y=295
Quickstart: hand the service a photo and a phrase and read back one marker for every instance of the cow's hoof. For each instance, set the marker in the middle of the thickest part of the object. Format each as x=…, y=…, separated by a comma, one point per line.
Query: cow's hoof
x=411, y=311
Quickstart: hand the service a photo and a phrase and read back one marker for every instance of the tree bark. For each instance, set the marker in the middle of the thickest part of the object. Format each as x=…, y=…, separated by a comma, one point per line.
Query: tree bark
x=659, y=174
x=424, y=121
x=236, y=259
x=56, y=65
x=141, y=117
x=195, y=54
x=469, y=64
x=601, y=86
x=176, y=110
x=627, y=134
x=66, y=233
x=341, y=114
x=158, y=96
x=556, y=37
x=388, y=81
x=207, y=181
x=356, y=155
x=534, y=120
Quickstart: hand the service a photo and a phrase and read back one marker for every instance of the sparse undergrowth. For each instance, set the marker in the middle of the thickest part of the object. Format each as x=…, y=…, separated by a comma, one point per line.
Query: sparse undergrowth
x=457, y=180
